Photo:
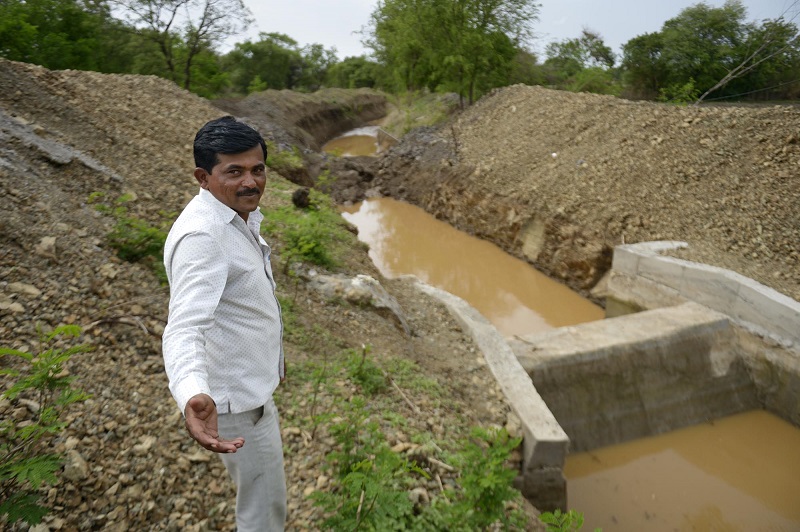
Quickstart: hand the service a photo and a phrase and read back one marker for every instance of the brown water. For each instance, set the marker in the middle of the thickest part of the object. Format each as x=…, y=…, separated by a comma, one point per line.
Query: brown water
x=741, y=473
x=361, y=141
x=509, y=292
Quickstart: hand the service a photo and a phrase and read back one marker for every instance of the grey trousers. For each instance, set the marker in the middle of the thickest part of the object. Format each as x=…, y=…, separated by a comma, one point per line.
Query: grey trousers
x=256, y=469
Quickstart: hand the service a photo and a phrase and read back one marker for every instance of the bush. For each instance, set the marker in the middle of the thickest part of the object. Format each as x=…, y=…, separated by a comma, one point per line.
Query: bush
x=316, y=234
x=134, y=239
x=24, y=464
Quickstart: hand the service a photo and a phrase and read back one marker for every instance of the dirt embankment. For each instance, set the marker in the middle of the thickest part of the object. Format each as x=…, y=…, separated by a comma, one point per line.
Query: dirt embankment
x=725, y=180
x=67, y=136
x=559, y=179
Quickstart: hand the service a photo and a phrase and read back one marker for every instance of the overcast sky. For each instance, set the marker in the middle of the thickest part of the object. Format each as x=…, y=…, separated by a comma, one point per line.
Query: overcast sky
x=333, y=24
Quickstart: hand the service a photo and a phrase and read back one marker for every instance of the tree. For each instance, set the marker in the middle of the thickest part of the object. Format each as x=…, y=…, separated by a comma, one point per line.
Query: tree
x=466, y=46
x=582, y=64
x=700, y=42
x=769, y=57
x=707, y=50
x=60, y=34
x=644, y=70
x=184, y=29
x=353, y=73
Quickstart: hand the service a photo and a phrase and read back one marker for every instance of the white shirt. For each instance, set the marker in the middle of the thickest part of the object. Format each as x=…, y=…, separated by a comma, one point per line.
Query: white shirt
x=223, y=334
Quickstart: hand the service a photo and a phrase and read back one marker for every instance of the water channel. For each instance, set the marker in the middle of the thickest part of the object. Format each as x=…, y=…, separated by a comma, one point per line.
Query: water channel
x=740, y=473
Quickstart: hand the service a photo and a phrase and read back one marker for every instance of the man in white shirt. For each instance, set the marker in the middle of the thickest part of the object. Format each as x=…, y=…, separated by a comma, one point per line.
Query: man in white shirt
x=222, y=345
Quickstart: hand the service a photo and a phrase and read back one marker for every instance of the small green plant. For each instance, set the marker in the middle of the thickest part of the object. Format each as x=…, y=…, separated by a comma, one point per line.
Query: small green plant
x=680, y=94
x=371, y=492
x=486, y=481
x=365, y=372
x=134, y=239
x=285, y=162
x=371, y=484
x=316, y=235
x=559, y=521
x=24, y=463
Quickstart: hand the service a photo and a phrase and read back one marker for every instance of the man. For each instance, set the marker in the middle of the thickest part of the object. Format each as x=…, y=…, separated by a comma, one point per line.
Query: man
x=222, y=345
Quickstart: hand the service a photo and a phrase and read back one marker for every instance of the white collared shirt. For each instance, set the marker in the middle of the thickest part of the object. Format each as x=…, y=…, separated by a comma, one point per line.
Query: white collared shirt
x=223, y=334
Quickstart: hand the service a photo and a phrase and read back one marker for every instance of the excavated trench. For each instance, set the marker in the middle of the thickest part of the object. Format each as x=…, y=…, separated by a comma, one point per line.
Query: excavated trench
x=705, y=475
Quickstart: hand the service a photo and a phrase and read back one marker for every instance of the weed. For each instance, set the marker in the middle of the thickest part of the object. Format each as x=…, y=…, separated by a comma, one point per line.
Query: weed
x=284, y=162
x=559, y=521
x=317, y=235
x=365, y=372
x=134, y=239
x=24, y=465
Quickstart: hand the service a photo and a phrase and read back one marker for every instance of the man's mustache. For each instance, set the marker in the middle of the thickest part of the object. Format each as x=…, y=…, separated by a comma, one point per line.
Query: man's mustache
x=248, y=191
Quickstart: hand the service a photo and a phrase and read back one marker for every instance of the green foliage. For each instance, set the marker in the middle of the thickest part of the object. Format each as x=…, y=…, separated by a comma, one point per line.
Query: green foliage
x=485, y=480
x=316, y=235
x=284, y=161
x=365, y=372
x=276, y=61
x=704, y=45
x=134, y=239
x=353, y=73
x=371, y=482
x=256, y=85
x=464, y=46
x=24, y=463
x=559, y=521
x=679, y=93
x=60, y=34
x=595, y=80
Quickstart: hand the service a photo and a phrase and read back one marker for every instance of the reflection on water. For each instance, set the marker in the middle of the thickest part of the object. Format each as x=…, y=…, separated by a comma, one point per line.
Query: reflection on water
x=514, y=296
x=741, y=473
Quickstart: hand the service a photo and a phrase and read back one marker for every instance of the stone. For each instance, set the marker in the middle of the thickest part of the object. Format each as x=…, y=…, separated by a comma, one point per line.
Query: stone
x=75, y=468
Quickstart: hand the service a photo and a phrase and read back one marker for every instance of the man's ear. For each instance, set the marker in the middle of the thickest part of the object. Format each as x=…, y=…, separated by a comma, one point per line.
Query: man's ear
x=202, y=177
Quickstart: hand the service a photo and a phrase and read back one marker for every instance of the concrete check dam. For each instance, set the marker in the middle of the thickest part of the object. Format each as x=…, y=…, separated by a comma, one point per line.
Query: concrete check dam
x=664, y=421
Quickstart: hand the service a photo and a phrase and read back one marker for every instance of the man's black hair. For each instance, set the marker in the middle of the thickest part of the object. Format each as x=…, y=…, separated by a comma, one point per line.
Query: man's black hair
x=224, y=135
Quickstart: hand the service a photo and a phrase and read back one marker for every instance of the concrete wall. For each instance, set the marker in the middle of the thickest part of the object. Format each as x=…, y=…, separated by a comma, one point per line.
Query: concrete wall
x=638, y=375
x=545, y=444
x=766, y=322
x=643, y=278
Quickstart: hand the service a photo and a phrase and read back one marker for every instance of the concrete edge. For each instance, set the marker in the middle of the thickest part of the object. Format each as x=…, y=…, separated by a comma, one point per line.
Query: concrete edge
x=749, y=303
x=545, y=444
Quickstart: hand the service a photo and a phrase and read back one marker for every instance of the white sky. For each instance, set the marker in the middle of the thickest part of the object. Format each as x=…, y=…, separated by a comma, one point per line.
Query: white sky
x=333, y=24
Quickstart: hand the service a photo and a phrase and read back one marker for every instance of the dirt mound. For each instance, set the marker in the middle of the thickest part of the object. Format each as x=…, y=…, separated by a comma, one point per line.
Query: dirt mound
x=69, y=140
x=560, y=178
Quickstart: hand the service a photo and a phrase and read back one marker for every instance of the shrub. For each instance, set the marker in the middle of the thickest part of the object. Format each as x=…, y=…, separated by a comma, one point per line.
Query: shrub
x=24, y=465
x=134, y=239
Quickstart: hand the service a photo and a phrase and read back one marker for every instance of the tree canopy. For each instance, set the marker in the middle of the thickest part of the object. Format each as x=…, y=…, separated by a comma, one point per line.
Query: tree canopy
x=462, y=46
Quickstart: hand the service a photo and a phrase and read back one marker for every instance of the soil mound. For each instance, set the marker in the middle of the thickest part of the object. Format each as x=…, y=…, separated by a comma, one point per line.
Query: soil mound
x=560, y=178
x=70, y=140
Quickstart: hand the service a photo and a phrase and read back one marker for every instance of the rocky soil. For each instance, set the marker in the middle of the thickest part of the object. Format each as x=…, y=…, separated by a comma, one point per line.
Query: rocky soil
x=554, y=177
x=70, y=140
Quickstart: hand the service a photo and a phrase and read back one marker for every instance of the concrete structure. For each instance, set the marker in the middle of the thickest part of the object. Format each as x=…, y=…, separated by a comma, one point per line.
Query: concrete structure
x=687, y=343
x=766, y=323
x=545, y=444
x=629, y=377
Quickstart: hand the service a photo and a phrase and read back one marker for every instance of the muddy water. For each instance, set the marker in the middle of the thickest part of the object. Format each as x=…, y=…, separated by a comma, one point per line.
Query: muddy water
x=513, y=295
x=360, y=141
x=741, y=473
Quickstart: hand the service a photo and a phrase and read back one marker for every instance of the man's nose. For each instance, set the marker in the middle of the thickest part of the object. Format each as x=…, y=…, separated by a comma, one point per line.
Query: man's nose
x=249, y=180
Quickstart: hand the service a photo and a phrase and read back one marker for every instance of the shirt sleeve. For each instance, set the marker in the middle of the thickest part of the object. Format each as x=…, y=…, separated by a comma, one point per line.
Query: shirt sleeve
x=197, y=269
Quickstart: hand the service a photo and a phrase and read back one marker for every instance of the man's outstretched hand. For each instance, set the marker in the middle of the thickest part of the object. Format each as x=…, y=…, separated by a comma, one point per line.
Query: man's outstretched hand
x=201, y=422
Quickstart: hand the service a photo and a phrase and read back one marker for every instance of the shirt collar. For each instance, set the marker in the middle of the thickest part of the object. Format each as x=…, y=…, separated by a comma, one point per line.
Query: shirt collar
x=226, y=213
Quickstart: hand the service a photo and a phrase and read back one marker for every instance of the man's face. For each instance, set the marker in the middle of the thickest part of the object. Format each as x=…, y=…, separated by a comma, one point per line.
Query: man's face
x=237, y=180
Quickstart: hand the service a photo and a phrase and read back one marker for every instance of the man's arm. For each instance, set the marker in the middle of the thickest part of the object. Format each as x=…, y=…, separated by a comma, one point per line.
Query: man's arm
x=198, y=272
